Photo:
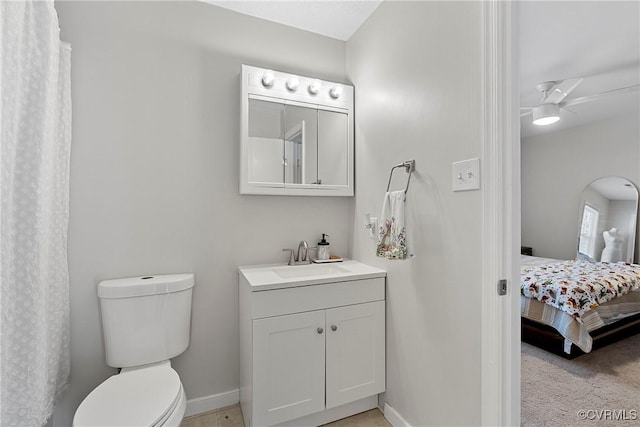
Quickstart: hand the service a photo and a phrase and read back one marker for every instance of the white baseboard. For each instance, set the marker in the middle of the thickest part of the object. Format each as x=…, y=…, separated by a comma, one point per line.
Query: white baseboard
x=204, y=404
x=394, y=418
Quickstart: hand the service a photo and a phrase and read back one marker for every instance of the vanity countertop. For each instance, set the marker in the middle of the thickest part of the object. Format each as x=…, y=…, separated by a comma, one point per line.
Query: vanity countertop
x=278, y=276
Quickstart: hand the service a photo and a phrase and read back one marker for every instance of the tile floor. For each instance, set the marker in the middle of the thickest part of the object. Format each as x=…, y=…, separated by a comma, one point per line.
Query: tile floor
x=232, y=417
x=372, y=418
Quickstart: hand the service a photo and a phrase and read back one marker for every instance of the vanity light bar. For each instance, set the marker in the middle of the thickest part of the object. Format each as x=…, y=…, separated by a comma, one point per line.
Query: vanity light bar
x=306, y=89
x=293, y=82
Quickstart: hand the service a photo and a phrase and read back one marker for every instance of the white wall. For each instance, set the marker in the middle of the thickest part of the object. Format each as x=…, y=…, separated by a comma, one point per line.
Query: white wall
x=417, y=69
x=154, y=172
x=558, y=166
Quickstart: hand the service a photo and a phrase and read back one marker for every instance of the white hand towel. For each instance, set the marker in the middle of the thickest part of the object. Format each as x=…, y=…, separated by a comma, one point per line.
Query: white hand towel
x=392, y=235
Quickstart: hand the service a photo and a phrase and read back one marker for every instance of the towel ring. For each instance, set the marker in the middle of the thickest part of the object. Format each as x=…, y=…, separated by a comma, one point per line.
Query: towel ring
x=409, y=166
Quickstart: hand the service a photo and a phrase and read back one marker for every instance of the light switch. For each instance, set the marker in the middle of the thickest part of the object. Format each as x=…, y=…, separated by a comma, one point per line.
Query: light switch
x=466, y=175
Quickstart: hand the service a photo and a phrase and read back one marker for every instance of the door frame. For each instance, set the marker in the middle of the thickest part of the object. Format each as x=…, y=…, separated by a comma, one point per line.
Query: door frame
x=500, y=381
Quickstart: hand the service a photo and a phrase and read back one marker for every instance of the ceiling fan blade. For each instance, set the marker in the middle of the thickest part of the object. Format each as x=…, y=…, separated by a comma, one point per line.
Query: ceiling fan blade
x=526, y=113
x=560, y=91
x=589, y=98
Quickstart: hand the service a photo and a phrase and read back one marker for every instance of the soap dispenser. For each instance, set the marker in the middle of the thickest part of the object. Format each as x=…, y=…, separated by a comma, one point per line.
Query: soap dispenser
x=323, y=248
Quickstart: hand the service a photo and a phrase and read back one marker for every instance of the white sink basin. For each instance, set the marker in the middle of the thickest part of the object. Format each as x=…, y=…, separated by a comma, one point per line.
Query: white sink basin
x=293, y=271
x=277, y=276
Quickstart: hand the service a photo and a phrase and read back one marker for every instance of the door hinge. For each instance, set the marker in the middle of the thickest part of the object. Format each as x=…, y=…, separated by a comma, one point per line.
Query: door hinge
x=502, y=287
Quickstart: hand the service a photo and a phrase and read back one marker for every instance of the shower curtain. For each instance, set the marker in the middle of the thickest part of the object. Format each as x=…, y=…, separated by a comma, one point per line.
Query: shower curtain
x=35, y=132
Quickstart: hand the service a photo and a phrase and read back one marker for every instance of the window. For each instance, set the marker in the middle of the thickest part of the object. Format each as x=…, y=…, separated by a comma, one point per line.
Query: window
x=588, y=231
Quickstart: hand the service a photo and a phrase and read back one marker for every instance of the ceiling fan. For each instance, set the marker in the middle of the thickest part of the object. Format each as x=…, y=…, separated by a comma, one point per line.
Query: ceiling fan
x=554, y=94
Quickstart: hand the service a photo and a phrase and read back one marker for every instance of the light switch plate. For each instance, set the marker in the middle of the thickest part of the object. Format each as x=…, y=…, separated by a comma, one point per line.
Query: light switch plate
x=466, y=175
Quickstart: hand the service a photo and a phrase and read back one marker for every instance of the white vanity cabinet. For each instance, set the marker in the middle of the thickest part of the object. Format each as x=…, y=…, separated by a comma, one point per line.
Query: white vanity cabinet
x=312, y=347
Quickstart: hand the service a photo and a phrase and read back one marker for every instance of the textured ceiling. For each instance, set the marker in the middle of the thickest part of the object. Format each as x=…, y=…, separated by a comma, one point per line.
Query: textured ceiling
x=331, y=18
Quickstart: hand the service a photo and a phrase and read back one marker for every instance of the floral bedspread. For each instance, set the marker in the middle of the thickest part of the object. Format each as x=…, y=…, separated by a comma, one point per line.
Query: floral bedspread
x=576, y=287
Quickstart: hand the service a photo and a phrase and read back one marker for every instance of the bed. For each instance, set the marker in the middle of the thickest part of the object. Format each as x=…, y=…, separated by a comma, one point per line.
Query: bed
x=572, y=307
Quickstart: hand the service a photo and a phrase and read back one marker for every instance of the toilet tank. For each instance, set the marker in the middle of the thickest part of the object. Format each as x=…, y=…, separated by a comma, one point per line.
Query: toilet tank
x=145, y=319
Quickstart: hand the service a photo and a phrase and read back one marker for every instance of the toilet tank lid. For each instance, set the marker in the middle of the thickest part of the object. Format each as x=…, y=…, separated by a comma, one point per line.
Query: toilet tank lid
x=145, y=285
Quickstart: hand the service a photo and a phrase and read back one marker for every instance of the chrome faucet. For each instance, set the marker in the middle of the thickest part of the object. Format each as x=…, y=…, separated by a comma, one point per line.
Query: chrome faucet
x=302, y=256
x=303, y=246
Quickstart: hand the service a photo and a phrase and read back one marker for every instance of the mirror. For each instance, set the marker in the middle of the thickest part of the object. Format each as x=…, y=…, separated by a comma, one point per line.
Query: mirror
x=608, y=217
x=301, y=144
x=294, y=141
x=332, y=164
x=265, y=141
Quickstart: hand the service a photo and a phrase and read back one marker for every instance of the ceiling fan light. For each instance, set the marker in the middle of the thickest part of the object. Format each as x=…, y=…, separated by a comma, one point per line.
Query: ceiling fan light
x=544, y=121
x=546, y=114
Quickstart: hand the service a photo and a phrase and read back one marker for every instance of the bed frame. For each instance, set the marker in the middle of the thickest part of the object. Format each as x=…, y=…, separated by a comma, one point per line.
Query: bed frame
x=547, y=338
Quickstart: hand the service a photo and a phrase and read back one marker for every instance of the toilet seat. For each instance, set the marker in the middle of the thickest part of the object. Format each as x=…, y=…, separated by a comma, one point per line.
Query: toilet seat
x=142, y=397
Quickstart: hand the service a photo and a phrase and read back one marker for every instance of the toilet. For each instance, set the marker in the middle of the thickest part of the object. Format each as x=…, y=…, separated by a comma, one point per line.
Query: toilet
x=146, y=322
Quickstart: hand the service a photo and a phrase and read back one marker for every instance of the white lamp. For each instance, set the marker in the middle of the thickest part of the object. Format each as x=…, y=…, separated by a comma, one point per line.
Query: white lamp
x=314, y=87
x=268, y=78
x=292, y=84
x=546, y=114
x=336, y=92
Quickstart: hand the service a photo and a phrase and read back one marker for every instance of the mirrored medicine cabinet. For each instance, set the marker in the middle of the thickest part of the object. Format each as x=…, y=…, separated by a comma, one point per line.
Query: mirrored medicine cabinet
x=296, y=136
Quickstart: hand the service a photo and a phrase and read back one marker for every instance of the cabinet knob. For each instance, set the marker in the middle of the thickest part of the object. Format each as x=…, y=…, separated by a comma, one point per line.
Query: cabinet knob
x=320, y=330
x=334, y=328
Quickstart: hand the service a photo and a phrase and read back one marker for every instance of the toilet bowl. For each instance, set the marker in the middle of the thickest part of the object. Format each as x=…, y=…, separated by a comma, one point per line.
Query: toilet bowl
x=150, y=396
x=146, y=322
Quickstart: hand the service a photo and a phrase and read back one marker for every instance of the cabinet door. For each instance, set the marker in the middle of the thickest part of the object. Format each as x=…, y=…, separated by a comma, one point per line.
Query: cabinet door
x=355, y=352
x=289, y=363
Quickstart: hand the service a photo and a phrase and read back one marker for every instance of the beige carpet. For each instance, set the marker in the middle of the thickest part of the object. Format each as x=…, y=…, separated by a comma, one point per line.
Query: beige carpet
x=597, y=389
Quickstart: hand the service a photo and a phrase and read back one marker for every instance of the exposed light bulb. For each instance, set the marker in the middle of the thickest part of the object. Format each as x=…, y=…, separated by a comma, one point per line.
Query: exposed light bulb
x=293, y=83
x=268, y=78
x=336, y=92
x=314, y=87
